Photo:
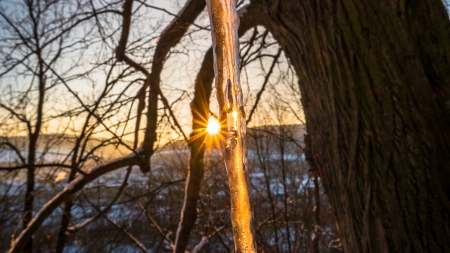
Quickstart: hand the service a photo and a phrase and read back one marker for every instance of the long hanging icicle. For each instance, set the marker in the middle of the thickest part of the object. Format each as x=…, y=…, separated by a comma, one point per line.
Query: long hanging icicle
x=224, y=27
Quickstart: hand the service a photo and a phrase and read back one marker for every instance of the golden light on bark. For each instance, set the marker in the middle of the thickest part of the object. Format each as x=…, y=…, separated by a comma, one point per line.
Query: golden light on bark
x=213, y=126
x=224, y=27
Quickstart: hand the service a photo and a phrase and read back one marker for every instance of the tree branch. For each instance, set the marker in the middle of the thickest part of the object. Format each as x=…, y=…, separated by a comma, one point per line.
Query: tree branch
x=200, y=115
x=68, y=191
x=24, y=166
x=168, y=39
x=106, y=209
x=263, y=87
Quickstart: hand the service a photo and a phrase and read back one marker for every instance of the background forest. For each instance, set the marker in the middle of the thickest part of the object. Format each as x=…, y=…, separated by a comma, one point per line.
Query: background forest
x=69, y=102
x=101, y=108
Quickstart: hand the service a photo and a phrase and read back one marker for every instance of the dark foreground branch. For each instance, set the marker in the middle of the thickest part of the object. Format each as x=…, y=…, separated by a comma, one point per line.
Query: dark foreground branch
x=71, y=188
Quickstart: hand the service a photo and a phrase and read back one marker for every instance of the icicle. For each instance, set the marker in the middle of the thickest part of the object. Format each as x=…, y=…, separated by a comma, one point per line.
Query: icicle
x=224, y=26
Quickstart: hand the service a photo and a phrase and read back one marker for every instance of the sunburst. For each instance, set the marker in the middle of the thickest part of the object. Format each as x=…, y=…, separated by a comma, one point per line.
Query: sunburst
x=213, y=126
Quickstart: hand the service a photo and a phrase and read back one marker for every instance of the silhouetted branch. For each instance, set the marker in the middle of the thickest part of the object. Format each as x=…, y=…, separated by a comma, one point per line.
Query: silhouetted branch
x=24, y=166
x=263, y=87
x=130, y=236
x=68, y=191
x=106, y=209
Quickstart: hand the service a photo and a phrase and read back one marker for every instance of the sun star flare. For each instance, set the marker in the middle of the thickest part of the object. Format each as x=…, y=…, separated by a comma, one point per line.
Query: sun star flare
x=213, y=126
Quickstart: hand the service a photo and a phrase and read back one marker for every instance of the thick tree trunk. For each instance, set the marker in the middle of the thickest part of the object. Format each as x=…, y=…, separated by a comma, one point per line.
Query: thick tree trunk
x=374, y=77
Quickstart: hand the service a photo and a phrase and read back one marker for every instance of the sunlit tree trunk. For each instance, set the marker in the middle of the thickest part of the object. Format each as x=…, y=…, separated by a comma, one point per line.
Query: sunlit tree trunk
x=374, y=77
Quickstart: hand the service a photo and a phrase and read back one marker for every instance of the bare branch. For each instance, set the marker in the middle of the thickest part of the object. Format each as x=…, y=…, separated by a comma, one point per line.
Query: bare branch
x=10, y=145
x=172, y=115
x=263, y=87
x=106, y=209
x=170, y=13
x=168, y=39
x=132, y=238
x=68, y=191
x=18, y=116
x=126, y=23
x=60, y=165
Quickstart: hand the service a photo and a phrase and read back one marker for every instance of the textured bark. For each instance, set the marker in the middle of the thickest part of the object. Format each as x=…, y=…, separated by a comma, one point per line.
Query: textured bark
x=200, y=115
x=375, y=90
x=317, y=229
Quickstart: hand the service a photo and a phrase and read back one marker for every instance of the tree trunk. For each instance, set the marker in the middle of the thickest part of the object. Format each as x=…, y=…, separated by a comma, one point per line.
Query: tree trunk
x=34, y=136
x=66, y=217
x=375, y=89
x=29, y=194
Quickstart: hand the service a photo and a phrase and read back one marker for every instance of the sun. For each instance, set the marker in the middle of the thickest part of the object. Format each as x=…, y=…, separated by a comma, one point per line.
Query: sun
x=213, y=126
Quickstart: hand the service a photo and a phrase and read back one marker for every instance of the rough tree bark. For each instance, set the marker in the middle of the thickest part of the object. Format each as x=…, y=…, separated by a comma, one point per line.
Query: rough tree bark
x=375, y=90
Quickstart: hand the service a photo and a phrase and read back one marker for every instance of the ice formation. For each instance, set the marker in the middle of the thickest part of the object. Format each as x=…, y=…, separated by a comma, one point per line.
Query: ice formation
x=224, y=25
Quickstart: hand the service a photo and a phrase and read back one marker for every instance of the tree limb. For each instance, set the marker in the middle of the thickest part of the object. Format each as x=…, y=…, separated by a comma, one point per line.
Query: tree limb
x=68, y=191
x=266, y=80
x=200, y=115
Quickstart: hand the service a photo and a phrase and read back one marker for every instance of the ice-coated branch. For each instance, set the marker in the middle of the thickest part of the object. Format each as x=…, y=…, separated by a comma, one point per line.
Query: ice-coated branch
x=200, y=245
x=71, y=188
x=200, y=113
x=224, y=27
